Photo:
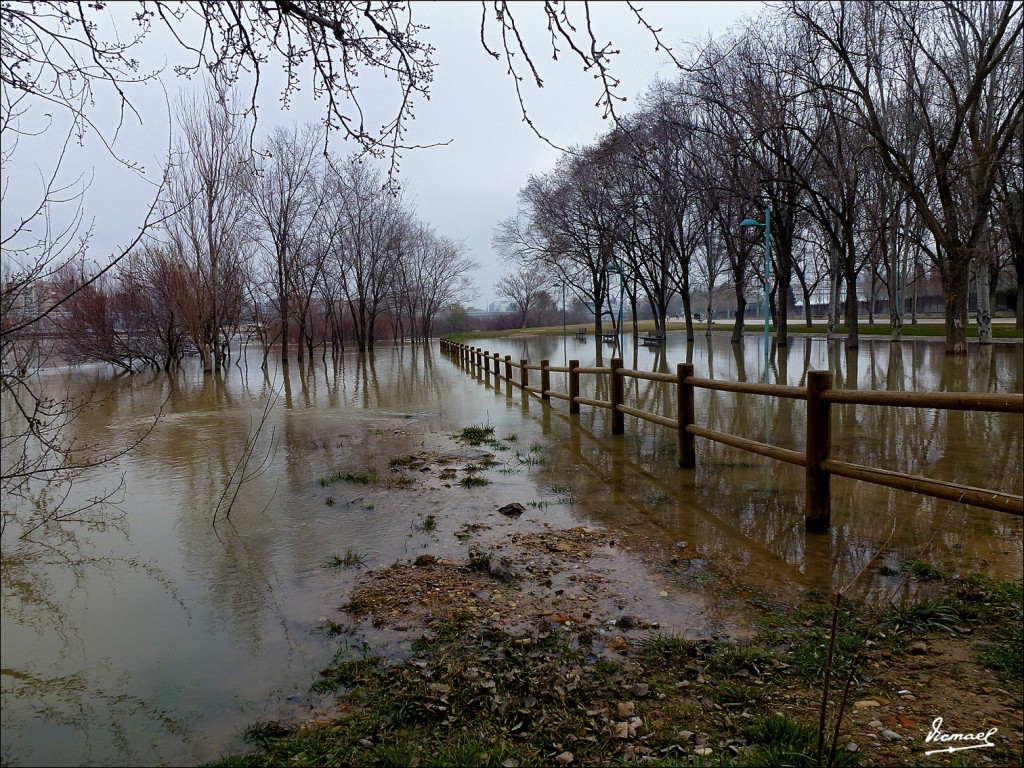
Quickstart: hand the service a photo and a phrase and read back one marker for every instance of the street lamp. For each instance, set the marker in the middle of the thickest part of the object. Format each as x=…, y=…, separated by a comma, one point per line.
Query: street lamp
x=616, y=268
x=767, y=226
x=565, y=353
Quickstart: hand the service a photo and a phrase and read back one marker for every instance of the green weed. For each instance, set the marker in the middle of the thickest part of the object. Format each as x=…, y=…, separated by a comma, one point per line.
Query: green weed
x=350, y=559
x=938, y=615
x=923, y=571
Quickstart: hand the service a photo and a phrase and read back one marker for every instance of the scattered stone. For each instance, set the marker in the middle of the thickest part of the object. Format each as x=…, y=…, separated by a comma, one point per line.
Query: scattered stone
x=501, y=569
x=890, y=735
x=920, y=648
x=401, y=627
x=634, y=726
x=620, y=730
x=616, y=644
x=865, y=703
x=424, y=560
x=564, y=758
x=640, y=690
x=495, y=617
x=515, y=509
x=366, y=743
x=702, y=751
x=663, y=593
x=876, y=724
x=479, y=594
x=852, y=747
x=510, y=763
x=626, y=622
x=625, y=709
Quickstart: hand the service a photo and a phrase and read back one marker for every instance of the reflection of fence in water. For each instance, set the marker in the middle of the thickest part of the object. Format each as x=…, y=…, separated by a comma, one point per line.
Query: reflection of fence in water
x=819, y=396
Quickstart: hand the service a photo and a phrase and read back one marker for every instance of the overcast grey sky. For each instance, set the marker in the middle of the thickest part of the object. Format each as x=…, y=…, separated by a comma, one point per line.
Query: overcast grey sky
x=464, y=188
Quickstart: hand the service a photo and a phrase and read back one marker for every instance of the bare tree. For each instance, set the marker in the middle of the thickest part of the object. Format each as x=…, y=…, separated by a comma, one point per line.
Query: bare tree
x=957, y=64
x=284, y=193
x=205, y=213
x=523, y=288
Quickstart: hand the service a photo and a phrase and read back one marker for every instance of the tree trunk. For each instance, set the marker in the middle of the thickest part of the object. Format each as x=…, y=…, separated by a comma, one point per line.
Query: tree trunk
x=741, y=309
x=850, y=279
x=984, y=305
x=954, y=273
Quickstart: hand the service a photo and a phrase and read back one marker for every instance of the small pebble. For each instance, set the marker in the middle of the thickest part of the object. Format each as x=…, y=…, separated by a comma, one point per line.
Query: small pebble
x=564, y=758
x=890, y=735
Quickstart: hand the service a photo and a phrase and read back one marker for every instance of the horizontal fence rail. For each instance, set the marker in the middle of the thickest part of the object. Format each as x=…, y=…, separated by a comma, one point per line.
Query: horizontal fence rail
x=819, y=395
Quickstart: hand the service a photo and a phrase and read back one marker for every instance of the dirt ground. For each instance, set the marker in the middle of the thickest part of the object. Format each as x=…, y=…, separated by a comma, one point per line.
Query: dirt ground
x=594, y=583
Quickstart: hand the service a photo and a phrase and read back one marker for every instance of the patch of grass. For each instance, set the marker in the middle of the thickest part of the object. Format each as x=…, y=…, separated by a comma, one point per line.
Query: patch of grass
x=529, y=459
x=511, y=437
x=478, y=436
x=401, y=481
x=333, y=628
x=779, y=740
x=350, y=559
x=667, y=652
x=329, y=501
x=923, y=571
x=937, y=615
x=1005, y=652
x=809, y=654
x=473, y=481
x=429, y=523
x=362, y=478
x=448, y=473
x=398, y=462
x=347, y=674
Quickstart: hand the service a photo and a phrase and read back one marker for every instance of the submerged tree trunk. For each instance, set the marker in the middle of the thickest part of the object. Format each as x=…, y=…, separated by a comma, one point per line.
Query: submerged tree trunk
x=984, y=305
x=955, y=274
x=741, y=310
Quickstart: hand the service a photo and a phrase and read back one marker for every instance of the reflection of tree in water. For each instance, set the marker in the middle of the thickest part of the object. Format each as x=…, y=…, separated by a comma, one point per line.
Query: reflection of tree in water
x=41, y=576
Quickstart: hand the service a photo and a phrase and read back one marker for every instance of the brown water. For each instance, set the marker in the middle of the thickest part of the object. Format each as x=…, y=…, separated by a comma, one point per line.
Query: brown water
x=156, y=637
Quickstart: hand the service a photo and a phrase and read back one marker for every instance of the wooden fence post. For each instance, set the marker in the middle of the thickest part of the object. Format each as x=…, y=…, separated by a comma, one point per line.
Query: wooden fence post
x=545, y=380
x=686, y=443
x=497, y=365
x=818, y=512
x=574, y=386
x=508, y=367
x=524, y=377
x=618, y=417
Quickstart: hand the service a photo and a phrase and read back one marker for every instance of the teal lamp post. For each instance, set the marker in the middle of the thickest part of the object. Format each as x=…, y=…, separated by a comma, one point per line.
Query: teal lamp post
x=767, y=226
x=616, y=268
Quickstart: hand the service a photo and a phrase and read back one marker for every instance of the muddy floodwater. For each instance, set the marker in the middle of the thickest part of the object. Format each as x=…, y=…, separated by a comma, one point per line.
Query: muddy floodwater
x=154, y=636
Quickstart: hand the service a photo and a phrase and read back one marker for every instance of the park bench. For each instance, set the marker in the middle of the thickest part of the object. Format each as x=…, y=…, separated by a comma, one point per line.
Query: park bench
x=653, y=338
x=581, y=334
x=609, y=338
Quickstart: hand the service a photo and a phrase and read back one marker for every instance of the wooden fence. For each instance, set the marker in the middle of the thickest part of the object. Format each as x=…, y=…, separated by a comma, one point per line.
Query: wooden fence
x=818, y=394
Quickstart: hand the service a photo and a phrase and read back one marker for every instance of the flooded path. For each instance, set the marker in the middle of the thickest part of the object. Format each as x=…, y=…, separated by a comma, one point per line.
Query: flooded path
x=156, y=636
